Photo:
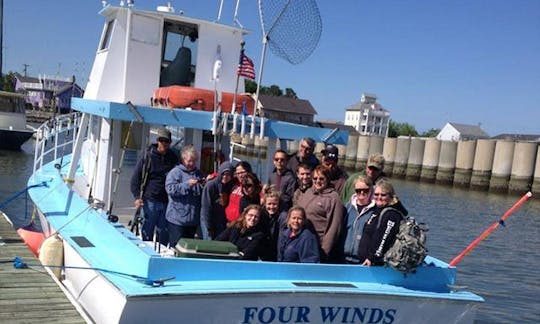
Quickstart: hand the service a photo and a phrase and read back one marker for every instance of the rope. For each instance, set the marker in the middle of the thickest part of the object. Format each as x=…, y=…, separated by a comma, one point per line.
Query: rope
x=18, y=263
x=15, y=196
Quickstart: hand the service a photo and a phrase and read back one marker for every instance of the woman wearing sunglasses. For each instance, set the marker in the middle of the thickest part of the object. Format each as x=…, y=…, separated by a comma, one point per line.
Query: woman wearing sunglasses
x=359, y=209
x=381, y=228
x=325, y=211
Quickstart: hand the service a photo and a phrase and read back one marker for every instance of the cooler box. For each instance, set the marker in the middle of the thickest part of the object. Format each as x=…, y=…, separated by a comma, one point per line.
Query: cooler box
x=191, y=248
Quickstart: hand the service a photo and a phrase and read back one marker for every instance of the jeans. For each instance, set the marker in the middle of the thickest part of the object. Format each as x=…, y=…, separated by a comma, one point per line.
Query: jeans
x=176, y=232
x=154, y=220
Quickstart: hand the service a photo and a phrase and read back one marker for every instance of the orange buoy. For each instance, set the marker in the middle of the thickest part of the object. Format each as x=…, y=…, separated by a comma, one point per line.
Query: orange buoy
x=199, y=99
x=32, y=237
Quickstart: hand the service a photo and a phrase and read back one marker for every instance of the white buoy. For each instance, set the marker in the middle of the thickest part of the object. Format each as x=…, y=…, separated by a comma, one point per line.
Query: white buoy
x=51, y=253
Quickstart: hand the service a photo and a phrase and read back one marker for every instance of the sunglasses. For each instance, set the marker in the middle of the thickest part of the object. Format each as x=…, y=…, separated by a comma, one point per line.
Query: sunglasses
x=372, y=168
x=319, y=178
x=247, y=185
x=380, y=194
x=164, y=140
x=362, y=190
x=279, y=159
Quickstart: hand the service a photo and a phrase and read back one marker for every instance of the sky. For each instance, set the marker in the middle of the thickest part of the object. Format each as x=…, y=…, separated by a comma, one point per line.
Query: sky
x=429, y=62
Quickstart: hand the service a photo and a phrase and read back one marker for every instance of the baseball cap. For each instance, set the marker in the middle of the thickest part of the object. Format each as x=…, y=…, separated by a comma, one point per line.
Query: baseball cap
x=163, y=133
x=376, y=161
x=330, y=151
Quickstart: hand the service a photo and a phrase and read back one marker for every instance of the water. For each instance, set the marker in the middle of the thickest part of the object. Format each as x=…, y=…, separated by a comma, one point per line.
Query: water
x=504, y=268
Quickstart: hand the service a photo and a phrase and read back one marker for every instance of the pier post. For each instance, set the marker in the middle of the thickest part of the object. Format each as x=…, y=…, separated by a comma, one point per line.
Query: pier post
x=430, y=161
x=502, y=166
x=403, y=147
x=416, y=156
x=483, y=162
x=376, y=144
x=521, y=176
x=342, y=150
x=350, y=153
x=536, y=177
x=362, y=152
x=464, y=163
x=447, y=163
x=389, y=153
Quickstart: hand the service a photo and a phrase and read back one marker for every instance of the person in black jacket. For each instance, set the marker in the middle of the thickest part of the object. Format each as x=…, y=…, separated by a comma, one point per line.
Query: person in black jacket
x=381, y=228
x=245, y=233
x=215, y=198
x=273, y=219
x=148, y=186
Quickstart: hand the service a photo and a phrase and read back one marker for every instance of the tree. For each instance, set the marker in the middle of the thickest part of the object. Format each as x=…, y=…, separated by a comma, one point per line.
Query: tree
x=250, y=86
x=289, y=93
x=431, y=133
x=8, y=82
x=396, y=129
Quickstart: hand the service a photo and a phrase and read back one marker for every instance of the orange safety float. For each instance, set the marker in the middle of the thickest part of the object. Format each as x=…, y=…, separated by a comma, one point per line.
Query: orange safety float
x=199, y=99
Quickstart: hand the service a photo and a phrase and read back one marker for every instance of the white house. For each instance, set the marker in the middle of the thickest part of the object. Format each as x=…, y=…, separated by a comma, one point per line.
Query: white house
x=368, y=117
x=461, y=132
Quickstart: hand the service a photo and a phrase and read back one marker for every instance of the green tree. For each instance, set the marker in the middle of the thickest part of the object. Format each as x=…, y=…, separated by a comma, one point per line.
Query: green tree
x=396, y=129
x=8, y=82
x=431, y=133
x=250, y=86
x=289, y=93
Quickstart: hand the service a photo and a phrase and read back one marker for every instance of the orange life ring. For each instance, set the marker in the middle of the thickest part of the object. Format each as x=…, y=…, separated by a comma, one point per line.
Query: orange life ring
x=199, y=99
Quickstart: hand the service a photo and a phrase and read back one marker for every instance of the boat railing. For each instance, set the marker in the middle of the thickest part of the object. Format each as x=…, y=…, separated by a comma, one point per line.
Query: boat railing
x=55, y=138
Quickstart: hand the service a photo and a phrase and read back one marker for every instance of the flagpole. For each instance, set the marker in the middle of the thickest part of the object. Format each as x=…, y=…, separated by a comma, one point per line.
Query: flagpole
x=259, y=79
x=233, y=108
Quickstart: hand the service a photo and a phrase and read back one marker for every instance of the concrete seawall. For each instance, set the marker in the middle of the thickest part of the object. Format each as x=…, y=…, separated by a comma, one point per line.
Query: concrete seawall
x=484, y=164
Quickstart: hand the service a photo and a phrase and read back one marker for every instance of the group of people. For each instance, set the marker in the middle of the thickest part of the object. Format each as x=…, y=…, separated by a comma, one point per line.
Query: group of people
x=307, y=211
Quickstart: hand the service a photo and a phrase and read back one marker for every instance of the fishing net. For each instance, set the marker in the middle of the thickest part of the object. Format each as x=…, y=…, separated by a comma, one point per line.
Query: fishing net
x=292, y=27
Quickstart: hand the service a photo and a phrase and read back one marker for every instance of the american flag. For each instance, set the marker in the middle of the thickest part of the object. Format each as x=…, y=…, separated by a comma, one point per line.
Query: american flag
x=246, y=67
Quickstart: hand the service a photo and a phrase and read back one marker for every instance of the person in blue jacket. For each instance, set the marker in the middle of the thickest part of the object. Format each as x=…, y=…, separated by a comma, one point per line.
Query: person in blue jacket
x=148, y=186
x=184, y=185
x=215, y=198
x=296, y=242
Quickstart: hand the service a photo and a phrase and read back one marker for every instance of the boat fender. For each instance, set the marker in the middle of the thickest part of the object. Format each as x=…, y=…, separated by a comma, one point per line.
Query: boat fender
x=51, y=253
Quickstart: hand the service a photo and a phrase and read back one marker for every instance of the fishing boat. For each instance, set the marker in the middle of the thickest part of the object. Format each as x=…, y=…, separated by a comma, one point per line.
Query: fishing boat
x=13, y=131
x=79, y=186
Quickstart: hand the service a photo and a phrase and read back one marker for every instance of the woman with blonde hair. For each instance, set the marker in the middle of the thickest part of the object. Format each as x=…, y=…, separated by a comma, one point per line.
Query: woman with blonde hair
x=296, y=242
x=246, y=233
x=273, y=219
x=381, y=228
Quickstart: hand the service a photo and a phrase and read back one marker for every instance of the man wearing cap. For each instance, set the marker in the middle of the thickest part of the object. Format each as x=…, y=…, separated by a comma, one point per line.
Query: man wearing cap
x=148, y=185
x=374, y=171
x=304, y=155
x=330, y=160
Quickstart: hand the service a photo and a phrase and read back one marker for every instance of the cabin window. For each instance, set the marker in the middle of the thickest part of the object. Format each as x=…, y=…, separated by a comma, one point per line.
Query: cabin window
x=178, y=63
x=106, y=39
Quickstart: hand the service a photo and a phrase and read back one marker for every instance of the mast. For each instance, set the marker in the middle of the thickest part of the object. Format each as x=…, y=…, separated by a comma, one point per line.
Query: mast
x=1, y=42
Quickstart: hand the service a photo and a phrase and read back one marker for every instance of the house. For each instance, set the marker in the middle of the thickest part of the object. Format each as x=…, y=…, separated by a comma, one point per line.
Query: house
x=368, y=117
x=287, y=109
x=46, y=92
x=461, y=132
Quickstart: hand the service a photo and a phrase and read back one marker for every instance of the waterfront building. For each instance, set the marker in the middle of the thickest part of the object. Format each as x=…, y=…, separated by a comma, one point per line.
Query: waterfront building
x=292, y=110
x=461, y=132
x=368, y=117
x=47, y=92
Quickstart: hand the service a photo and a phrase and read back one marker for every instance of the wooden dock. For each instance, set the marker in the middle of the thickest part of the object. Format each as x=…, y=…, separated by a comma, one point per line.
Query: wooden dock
x=29, y=295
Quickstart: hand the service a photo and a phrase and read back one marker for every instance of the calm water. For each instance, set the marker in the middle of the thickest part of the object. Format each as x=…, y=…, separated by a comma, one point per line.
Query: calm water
x=504, y=268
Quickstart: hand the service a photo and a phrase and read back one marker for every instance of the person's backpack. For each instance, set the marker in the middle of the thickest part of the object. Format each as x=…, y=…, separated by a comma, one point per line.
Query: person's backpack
x=409, y=249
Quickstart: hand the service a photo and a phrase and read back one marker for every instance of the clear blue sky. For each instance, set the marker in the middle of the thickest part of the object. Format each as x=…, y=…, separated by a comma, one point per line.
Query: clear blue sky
x=428, y=61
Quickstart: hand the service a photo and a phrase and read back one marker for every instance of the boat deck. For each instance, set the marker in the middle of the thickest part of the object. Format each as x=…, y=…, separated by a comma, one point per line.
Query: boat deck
x=29, y=295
